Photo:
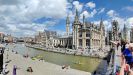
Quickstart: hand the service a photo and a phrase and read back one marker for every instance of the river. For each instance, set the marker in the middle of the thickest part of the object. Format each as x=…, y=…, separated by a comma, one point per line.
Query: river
x=87, y=63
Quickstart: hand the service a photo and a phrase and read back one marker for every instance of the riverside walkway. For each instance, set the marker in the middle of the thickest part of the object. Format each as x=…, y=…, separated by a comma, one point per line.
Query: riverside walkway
x=115, y=62
x=39, y=67
x=118, y=57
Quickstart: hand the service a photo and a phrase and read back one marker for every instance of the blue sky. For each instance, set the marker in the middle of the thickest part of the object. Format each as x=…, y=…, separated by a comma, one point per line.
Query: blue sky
x=118, y=6
x=26, y=18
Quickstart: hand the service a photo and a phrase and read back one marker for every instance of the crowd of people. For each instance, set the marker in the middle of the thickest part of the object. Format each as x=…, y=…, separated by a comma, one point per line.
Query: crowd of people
x=126, y=58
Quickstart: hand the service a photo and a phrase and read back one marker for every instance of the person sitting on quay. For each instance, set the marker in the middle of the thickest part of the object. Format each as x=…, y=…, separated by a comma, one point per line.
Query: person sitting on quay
x=65, y=67
x=16, y=52
x=12, y=50
x=26, y=56
x=29, y=69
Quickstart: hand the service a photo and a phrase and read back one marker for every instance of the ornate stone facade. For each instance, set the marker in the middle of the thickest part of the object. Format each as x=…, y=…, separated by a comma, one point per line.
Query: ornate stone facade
x=87, y=35
x=84, y=35
x=125, y=33
x=41, y=38
x=115, y=30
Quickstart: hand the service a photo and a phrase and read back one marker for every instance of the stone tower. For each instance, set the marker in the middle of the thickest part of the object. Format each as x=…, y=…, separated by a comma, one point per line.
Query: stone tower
x=115, y=30
x=84, y=21
x=125, y=33
x=75, y=27
x=102, y=31
x=83, y=32
x=67, y=25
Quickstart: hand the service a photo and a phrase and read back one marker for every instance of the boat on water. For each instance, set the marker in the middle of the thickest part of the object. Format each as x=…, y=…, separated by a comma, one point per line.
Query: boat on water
x=33, y=58
x=78, y=63
x=39, y=56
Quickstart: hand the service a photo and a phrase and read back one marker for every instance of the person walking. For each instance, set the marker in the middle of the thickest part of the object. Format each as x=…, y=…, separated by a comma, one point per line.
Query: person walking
x=14, y=70
x=118, y=44
x=123, y=45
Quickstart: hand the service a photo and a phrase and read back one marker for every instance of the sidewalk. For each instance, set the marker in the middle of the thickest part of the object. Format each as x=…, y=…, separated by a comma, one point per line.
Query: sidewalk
x=118, y=57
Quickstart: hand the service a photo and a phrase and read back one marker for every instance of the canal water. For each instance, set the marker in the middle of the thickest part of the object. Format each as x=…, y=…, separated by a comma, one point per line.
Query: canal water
x=86, y=63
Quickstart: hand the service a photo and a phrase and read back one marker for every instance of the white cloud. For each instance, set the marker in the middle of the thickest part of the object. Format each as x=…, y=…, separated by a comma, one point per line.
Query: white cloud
x=106, y=23
x=61, y=32
x=12, y=28
x=93, y=12
x=129, y=8
x=91, y=5
x=88, y=14
x=101, y=10
x=85, y=13
x=17, y=16
x=111, y=13
x=130, y=21
x=71, y=16
x=77, y=5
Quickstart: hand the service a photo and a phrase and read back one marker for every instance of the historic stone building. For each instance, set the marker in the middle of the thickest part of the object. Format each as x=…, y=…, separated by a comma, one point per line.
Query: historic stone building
x=115, y=30
x=8, y=38
x=1, y=37
x=67, y=26
x=65, y=41
x=29, y=39
x=87, y=35
x=125, y=33
x=41, y=38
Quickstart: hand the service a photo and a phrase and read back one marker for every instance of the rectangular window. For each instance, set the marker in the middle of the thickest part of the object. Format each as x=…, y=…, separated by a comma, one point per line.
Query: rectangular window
x=87, y=42
x=80, y=42
x=80, y=34
x=87, y=34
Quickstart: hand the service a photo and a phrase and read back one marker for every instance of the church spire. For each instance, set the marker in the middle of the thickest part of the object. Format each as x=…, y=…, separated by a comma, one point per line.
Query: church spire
x=77, y=12
x=84, y=20
x=76, y=16
x=67, y=25
x=102, y=28
x=125, y=32
x=101, y=22
x=67, y=20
